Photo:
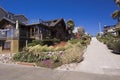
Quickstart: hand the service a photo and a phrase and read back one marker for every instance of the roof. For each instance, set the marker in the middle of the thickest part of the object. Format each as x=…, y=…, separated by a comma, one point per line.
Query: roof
x=110, y=26
x=53, y=23
x=3, y=10
x=24, y=21
x=7, y=19
x=20, y=17
x=14, y=17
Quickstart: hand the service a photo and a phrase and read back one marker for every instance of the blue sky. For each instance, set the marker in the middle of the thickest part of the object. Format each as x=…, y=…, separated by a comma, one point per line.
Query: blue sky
x=85, y=13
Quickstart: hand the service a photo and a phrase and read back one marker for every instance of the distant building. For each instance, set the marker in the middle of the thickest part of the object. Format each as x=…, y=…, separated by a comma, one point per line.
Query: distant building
x=110, y=29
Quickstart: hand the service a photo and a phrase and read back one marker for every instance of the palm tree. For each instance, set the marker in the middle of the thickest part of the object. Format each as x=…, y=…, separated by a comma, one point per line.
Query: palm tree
x=117, y=2
x=70, y=25
x=116, y=15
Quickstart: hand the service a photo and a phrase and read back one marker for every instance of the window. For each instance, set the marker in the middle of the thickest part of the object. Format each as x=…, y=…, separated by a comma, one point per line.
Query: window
x=3, y=33
x=7, y=45
x=33, y=31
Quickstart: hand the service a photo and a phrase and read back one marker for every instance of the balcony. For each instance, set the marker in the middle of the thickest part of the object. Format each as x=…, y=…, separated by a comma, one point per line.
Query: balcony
x=8, y=34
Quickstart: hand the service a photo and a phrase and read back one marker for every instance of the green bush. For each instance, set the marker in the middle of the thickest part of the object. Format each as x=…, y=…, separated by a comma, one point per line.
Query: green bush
x=25, y=57
x=51, y=56
x=84, y=41
x=74, y=41
x=110, y=44
x=44, y=42
x=116, y=47
x=105, y=38
x=17, y=56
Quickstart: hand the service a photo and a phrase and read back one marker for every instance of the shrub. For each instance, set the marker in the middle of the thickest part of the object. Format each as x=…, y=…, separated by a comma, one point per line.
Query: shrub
x=72, y=55
x=74, y=41
x=51, y=56
x=44, y=42
x=105, y=38
x=17, y=56
x=110, y=44
x=25, y=57
x=116, y=47
x=49, y=64
x=83, y=41
x=60, y=48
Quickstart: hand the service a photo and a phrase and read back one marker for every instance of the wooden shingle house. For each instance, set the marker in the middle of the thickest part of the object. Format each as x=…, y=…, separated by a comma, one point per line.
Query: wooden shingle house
x=16, y=31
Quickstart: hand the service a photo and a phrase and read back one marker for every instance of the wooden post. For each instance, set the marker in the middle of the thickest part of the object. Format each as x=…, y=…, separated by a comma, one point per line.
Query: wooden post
x=34, y=32
x=30, y=32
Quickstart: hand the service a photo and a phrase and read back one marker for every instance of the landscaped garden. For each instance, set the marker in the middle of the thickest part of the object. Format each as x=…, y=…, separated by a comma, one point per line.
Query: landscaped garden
x=53, y=53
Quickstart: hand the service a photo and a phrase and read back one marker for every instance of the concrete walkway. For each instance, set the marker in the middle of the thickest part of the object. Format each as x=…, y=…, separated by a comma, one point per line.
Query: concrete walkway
x=98, y=59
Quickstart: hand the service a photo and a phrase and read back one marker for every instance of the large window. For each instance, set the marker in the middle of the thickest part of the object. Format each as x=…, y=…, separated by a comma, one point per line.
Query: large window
x=33, y=31
x=6, y=45
x=3, y=33
x=6, y=33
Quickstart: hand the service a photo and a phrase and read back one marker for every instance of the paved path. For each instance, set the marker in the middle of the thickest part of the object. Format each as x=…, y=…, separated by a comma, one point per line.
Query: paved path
x=18, y=72
x=97, y=59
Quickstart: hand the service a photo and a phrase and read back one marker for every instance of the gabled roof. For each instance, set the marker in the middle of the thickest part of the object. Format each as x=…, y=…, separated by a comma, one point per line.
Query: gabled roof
x=7, y=19
x=20, y=16
x=3, y=10
x=14, y=17
x=24, y=21
x=53, y=23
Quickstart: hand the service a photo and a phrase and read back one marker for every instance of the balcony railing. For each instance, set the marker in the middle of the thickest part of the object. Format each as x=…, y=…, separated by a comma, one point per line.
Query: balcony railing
x=8, y=34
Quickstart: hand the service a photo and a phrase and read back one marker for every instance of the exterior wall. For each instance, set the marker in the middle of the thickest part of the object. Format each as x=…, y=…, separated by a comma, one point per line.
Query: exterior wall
x=9, y=36
x=60, y=32
x=0, y=49
x=14, y=46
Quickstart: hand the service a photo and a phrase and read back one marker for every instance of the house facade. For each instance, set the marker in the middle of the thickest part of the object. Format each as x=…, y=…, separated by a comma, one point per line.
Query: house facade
x=110, y=29
x=16, y=31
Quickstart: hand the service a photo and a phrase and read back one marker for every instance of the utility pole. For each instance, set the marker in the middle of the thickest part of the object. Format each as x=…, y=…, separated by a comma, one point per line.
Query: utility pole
x=99, y=25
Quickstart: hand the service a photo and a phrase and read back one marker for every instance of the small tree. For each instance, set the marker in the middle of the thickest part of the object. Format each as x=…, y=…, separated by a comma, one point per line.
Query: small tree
x=116, y=15
x=70, y=25
x=117, y=2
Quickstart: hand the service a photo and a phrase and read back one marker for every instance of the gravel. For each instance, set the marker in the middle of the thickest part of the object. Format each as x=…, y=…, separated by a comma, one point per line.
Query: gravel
x=6, y=58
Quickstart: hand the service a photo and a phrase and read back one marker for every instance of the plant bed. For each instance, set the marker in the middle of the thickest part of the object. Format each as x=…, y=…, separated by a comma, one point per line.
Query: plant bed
x=49, y=64
x=52, y=56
